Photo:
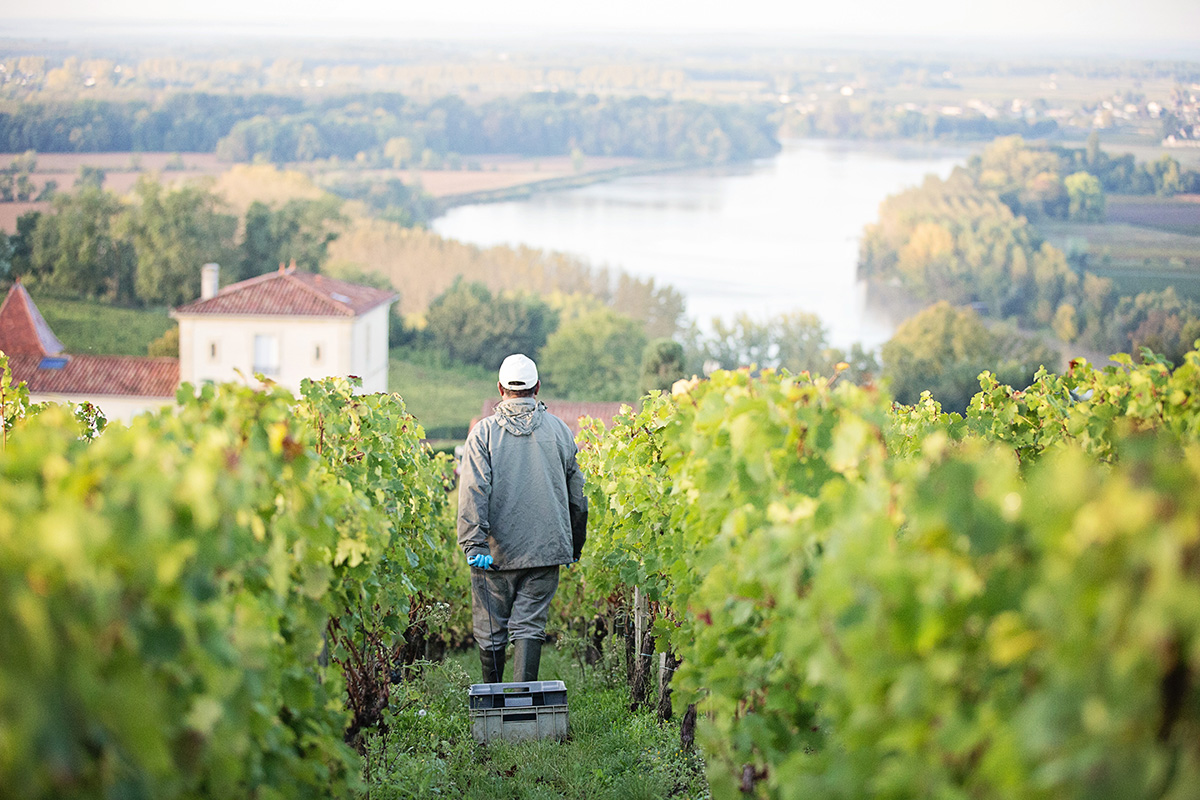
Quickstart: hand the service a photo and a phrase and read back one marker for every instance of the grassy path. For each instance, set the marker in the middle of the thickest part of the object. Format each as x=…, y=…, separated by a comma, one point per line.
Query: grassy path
x=611, y=752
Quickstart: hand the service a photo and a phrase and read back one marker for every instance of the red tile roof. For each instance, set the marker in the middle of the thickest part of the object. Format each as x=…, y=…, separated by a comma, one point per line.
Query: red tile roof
x=23, y=330
x=35, y=356
x=569, y=411
x=290, y=293
x=133, y=376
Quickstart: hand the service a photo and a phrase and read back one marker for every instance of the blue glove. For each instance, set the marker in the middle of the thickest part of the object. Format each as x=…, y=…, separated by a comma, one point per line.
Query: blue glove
x=482, y=561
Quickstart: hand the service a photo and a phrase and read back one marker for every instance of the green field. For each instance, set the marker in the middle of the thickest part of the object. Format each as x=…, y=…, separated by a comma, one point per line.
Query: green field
x=1146, y=244
x=95, y=328
x=443, y=398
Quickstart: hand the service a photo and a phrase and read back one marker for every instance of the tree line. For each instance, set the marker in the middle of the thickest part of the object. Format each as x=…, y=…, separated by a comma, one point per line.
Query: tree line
x=423, y=266
x=535, y=124
x=16, y=183
x=879, y=120
x=592, y=351
x=280, y=128
x=587, y=350
x=953, y=239
x=146, y=249
x=969, y=240
x=941, y=349
x=1069, y=183
x=185, y=122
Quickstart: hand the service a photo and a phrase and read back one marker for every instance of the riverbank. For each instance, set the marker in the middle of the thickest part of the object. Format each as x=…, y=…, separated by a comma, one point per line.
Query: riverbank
x=520, y=190
x=763, y=238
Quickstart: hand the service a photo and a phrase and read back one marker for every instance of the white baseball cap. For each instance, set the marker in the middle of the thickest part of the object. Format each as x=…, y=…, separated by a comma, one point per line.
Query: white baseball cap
x=518, y=372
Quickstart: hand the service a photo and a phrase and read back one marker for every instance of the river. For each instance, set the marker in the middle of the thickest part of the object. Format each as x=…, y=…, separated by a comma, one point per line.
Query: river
x=777, y=235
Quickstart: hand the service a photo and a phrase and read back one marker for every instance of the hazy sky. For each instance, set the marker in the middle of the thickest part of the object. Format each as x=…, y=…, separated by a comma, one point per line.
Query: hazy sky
x=1117, y=20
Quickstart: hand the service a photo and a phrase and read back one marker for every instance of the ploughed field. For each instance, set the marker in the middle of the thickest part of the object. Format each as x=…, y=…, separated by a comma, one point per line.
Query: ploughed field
x=474, y=174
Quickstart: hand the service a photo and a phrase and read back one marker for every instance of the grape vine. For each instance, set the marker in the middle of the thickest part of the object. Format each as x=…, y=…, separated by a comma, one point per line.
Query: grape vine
x=872, y=600
x=185, y=602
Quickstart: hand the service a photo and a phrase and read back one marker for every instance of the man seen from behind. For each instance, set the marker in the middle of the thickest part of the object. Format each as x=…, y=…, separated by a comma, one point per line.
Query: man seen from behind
x=521, y=514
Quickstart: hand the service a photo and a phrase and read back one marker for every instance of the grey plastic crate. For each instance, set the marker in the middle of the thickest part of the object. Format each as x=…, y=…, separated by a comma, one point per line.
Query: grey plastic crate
x=515, y=711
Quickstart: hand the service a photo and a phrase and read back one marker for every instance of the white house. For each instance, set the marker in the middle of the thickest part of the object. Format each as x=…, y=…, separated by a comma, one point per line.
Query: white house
x=287, y=325
x=122, y=386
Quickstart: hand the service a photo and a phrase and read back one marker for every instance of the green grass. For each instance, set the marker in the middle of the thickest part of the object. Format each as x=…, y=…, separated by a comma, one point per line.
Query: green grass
x=1137, y=258
x=611, y=752
x=96, y=328
x=1122, y=240
x=444, y=398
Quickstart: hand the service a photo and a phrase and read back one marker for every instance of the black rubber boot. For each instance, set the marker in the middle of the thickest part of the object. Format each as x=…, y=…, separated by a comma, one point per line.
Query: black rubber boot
x=493, y=665
x=527, y=656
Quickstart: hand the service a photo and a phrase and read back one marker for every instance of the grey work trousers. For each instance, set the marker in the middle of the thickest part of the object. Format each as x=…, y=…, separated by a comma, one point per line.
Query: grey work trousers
x=511, y=604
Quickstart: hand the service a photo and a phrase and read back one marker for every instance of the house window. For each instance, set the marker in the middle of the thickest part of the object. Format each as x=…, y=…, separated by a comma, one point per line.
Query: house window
x=266, y=354
x=317, y=354
x=212, y=351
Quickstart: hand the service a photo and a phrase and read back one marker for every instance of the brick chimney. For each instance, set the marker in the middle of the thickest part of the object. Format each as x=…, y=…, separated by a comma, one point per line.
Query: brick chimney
x=210, y=280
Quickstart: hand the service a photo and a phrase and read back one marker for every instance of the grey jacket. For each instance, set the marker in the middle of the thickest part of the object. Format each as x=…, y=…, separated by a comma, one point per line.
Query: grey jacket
x=520, y=492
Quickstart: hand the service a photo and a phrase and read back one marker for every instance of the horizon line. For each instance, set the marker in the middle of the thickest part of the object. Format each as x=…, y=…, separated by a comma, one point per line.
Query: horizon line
x=443, y=33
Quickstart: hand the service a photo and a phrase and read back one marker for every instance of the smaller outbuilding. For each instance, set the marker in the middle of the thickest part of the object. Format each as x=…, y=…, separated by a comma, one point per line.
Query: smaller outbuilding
x=122, y=386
